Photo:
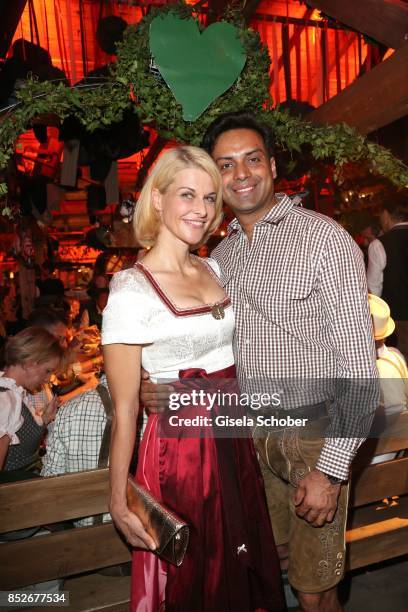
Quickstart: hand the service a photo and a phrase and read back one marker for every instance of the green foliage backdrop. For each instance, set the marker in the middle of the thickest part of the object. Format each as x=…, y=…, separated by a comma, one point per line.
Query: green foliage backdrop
x=132, y=84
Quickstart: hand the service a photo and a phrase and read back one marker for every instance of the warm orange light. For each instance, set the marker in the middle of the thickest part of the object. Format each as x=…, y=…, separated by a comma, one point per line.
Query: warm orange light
x=316, y=16
x=388, y=54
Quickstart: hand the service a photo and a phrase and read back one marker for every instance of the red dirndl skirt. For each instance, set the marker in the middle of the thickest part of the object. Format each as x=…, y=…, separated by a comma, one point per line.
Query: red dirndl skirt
x=215, y=485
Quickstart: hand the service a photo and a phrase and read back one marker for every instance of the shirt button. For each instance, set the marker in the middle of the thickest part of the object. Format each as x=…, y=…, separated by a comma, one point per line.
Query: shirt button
x=247, y=342
x=247, y=306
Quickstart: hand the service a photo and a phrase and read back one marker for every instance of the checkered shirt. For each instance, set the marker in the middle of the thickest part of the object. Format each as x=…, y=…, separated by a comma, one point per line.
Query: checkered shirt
x=74, y=442
x=300, y=299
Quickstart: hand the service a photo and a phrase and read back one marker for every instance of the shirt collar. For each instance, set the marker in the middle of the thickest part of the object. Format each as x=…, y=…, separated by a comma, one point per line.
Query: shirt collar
x=278, y=212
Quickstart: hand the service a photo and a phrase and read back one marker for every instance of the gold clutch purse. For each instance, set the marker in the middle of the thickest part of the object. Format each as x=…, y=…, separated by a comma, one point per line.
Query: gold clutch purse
x=168, y=531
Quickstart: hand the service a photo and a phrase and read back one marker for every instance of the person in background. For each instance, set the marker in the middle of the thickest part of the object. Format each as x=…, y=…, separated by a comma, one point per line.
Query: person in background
x=96, y=306
x=27, y=60
x=73, y=315
x=51, y=288
x=30, y=358
x=392, y=369
x=74, y=443
x=54, y=322
x=77, y=363
x=100, y=278
x=79, y=441
x=387, y=273
x=367, y=228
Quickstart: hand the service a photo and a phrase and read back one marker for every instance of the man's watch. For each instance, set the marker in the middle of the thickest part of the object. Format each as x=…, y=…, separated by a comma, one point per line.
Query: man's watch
x=334, y=480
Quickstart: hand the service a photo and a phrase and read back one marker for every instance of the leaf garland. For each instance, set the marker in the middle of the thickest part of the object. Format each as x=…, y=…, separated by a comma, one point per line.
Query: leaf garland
x=133, y=84
x=156, y=104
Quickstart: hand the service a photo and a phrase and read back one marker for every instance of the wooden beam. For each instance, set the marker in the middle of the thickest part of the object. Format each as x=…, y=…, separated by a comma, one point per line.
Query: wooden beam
x=294, y=39
x=385, y=21
x=373, y=100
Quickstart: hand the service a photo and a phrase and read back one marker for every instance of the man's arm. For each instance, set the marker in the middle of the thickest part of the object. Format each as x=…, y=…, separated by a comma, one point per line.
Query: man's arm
x=355, y=398
x=377, y=260
x=356, y=395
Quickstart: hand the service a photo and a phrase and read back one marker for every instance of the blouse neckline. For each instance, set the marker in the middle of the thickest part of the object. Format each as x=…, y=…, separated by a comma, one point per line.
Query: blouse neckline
x=176, y=310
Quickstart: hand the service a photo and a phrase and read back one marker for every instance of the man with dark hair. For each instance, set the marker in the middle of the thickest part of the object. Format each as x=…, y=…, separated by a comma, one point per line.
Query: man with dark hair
x=387, y=273
x=297, y=283
x=239, y=120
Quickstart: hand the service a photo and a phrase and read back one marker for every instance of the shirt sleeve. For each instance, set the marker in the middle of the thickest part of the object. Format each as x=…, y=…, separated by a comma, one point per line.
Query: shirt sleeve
x=10, y=416
x=55, y=458
x=127, y=317
x=355, y=390
x=377, y=260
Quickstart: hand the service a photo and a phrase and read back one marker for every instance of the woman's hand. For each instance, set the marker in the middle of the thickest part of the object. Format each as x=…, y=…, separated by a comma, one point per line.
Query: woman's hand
x=132, y=528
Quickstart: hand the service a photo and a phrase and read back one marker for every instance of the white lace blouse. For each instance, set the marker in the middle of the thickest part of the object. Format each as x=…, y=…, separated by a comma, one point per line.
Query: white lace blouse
x=173, y=338
x=10, y=408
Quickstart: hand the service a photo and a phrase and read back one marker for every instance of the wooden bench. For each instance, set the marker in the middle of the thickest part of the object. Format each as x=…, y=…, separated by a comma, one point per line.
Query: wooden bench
x=377, y=532
x=373, y=535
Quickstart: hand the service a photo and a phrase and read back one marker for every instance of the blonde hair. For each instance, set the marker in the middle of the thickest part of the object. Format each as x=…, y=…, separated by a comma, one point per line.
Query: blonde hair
x=33, y=343
x=146, y=221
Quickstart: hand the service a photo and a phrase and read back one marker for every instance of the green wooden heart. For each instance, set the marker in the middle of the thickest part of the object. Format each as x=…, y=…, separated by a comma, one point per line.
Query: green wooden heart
x=197, y=67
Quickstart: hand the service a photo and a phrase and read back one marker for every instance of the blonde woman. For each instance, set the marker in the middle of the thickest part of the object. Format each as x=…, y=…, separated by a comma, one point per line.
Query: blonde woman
x=170, y=314
x=30, y=357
